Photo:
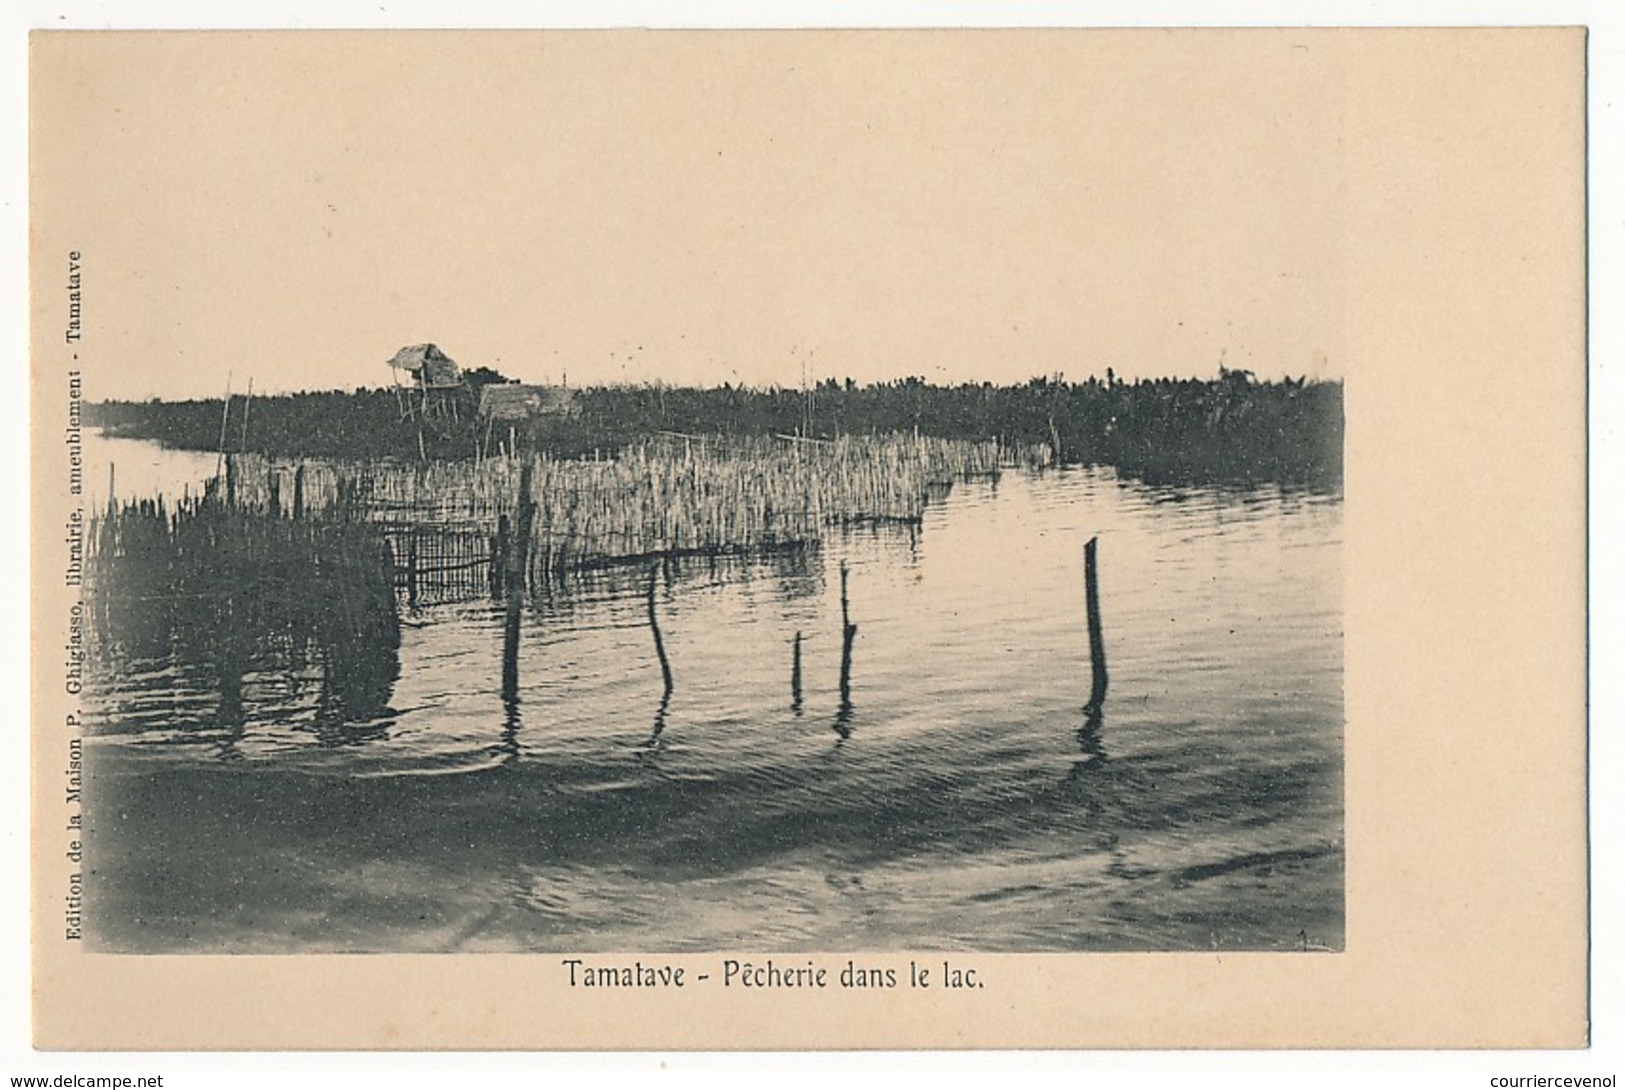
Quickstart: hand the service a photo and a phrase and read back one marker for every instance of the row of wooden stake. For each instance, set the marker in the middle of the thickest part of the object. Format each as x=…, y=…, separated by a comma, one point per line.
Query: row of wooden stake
x=849, y=632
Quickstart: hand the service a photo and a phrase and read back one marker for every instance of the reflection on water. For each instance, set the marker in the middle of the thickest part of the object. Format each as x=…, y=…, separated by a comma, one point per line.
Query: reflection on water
x=291, y=623
x=540, y=779
x=1090, y=743
x=653, y=745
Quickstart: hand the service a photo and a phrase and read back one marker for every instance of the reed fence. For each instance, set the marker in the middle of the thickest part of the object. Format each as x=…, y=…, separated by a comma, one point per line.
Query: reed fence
x=449, y=525
x=228, y=589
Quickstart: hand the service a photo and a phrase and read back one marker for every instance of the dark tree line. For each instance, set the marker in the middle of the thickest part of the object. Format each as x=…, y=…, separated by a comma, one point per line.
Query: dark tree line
x=1233, y=429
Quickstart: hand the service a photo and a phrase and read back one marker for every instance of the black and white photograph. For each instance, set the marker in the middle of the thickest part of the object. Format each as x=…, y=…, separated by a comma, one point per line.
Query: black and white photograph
x=773, y=512
x=944, y=554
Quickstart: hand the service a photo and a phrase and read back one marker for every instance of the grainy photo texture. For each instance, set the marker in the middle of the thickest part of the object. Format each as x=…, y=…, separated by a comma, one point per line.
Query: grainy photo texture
x=714, y=613
x=808, y=538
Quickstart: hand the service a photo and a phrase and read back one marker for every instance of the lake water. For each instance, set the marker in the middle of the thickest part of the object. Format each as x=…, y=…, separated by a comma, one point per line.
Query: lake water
x=958, y=799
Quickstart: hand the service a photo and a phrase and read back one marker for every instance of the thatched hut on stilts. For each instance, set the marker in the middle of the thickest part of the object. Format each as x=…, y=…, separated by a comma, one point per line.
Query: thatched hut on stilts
x=435, y=390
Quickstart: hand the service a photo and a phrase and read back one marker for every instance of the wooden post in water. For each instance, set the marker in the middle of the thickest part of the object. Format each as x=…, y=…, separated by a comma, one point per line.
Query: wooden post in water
x=845, y=620
x=1097, y=644
x=795, y=675
x=516, y=563
x=849, y=631
x=654, y=626
x=510, y=650
x=412, y=567
x=519, y=552
x=499, y=556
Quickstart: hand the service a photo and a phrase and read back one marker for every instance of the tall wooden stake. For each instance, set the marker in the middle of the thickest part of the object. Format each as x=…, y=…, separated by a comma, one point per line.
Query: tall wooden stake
x=518, y=579
x=517, y=562
x=412, y=568
x=510, y=657
x=1097, y=644
x=499, y=556
x=849, y=631
x=654, y=626
x=795, y=676
x=845, y=621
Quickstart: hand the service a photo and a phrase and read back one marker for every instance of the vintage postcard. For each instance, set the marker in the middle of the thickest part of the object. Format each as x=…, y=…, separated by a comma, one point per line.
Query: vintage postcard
x=809, y=539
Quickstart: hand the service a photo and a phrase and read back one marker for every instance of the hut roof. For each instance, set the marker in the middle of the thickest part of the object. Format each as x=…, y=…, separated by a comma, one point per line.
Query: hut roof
x=512, y=401
x=427, y=364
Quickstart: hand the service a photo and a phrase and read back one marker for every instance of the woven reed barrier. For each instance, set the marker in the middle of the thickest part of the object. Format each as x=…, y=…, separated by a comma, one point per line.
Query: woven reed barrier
x=227, y=589
x=670, y=496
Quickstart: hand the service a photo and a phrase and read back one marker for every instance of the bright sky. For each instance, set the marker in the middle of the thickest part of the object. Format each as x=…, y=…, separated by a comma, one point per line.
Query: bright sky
x=693, y=207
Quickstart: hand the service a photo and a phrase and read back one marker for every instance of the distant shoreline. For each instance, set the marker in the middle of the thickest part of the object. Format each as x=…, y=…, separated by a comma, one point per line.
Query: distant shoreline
x=1229, y=430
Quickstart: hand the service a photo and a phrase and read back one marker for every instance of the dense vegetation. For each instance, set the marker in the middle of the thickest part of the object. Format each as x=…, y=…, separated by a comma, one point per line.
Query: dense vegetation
x=1232, y=429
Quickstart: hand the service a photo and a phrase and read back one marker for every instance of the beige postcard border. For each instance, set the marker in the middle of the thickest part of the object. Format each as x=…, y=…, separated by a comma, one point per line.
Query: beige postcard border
x=1466, y=821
